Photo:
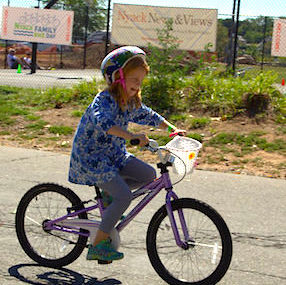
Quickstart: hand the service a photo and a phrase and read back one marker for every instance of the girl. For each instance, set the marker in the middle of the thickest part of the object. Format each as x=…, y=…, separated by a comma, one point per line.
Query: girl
x=99, y=155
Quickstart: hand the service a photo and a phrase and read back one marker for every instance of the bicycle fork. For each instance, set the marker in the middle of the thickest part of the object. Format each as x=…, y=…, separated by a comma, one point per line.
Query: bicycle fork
x=181, y=243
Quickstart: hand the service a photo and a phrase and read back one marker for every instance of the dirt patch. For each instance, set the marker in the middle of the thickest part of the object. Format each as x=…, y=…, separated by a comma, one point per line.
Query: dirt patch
x=257, y=162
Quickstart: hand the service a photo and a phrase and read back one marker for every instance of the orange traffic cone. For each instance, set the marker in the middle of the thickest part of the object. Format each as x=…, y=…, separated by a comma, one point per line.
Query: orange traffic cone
x=283, y=82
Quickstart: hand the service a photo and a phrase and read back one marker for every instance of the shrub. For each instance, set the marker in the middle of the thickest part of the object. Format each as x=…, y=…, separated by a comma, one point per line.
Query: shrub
x=233, y=95
x=164, y=86
x=259, y=93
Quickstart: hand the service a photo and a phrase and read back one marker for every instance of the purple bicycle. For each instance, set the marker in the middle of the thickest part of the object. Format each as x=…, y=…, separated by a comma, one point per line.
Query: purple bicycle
x=188, y=242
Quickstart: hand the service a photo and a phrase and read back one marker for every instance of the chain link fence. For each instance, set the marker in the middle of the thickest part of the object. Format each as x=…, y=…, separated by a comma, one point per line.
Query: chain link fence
x=244, y=44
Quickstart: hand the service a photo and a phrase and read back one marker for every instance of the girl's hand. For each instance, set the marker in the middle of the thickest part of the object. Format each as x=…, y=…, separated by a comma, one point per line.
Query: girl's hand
x=144, y=140
x=178, y=132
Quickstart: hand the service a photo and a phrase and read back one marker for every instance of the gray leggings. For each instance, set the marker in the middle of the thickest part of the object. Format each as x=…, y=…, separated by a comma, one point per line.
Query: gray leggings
x=135, y=174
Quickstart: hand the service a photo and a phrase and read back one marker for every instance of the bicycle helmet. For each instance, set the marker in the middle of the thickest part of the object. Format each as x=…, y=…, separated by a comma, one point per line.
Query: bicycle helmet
x=116, y=60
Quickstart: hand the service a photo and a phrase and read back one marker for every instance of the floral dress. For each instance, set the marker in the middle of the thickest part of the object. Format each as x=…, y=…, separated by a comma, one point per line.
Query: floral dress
x=97, y=157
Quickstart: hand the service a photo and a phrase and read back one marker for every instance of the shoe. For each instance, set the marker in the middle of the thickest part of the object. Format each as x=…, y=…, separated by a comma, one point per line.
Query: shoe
x=106, y=199
x=103, y=251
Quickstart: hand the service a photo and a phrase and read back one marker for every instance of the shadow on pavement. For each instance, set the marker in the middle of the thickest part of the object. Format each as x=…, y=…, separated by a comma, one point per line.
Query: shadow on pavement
x=40, y=275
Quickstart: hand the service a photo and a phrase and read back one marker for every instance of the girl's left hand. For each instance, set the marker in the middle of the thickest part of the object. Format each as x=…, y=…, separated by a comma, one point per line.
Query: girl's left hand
x=178, y=132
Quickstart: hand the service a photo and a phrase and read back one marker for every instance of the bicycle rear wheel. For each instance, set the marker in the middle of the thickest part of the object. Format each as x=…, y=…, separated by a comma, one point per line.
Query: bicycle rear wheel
x=207, y=256
x=50, y=248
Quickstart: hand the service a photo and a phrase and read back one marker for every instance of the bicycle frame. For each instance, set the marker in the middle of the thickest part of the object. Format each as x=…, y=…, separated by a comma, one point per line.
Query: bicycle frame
x=66, y=224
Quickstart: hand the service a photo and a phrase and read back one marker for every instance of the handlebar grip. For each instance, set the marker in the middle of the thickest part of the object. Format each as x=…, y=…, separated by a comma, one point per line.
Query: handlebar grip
x=134, y=141
x=137, y=142
x=175, y=134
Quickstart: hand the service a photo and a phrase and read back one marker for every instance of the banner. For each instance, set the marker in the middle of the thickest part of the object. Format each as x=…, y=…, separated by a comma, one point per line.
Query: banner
x=278, y=47
x=138, y=25
x=36, y=25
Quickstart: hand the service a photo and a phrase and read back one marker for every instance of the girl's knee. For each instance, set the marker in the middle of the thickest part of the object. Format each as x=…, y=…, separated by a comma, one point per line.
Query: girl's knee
x=150, y=174
x=153, y=174
x=124, y=198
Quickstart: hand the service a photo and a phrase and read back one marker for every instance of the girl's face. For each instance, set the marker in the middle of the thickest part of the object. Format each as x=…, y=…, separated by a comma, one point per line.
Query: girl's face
x=134, y=79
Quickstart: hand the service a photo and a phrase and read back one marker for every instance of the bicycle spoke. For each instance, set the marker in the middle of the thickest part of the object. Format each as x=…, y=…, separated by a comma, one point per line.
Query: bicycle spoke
x=202, y=255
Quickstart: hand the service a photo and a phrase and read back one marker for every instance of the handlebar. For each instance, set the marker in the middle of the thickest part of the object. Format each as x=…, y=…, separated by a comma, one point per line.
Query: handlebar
x=167, y=159
x=152, y=145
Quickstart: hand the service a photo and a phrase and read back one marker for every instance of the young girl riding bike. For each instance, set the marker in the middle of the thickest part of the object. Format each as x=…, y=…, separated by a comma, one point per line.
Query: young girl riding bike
x=99, y=156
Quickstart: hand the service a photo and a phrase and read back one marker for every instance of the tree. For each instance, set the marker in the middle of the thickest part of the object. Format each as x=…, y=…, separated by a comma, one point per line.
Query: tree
x=95, y=9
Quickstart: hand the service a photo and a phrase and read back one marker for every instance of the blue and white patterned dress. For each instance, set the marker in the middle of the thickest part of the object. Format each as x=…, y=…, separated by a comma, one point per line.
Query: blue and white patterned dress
x=96, y=156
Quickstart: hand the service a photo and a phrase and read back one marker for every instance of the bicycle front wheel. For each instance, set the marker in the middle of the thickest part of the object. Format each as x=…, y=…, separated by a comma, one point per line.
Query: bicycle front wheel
x=50, y=248
x=207, y=253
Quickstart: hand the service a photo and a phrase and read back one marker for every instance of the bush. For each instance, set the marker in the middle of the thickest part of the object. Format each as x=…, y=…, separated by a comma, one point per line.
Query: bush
x=164, y=95
x=232, y=95
x=164, y=86
x=260, y=91
x=218, y=96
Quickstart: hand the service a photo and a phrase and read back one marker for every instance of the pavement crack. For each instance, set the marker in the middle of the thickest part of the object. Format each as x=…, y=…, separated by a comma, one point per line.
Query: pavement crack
x=277, y=241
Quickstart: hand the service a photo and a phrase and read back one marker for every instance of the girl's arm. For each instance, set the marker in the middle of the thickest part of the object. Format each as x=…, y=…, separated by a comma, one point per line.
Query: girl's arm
x=119, y=132
x=171, y=128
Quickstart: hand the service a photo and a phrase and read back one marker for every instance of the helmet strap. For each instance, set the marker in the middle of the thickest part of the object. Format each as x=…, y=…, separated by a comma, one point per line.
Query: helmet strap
x=121, y=80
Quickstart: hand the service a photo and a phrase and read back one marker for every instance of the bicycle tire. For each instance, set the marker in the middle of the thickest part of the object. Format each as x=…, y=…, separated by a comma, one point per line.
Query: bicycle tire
x=162, y=248
x=33, y=210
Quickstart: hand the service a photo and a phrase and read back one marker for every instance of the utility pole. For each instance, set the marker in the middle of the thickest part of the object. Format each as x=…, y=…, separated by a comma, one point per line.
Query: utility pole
x=235, y=39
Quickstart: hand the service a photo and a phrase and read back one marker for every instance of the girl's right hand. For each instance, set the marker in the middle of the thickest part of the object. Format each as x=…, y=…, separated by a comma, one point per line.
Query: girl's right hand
x=144, y=140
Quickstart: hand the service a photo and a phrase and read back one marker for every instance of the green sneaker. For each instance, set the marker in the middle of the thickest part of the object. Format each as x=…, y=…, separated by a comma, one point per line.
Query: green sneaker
x=103, y=251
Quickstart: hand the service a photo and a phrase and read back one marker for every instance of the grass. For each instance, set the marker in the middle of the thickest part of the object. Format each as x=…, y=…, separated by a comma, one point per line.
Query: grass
x=37, y=126
x=194, y=123
x=247, y=142
x=197, y=123
x=21, y=98
x=255, y=70
x=77, y=113
x=61, y=130
x=19, y=106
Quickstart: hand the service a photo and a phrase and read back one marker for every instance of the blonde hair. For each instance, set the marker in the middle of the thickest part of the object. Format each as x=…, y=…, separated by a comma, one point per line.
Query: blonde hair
x=118, y=91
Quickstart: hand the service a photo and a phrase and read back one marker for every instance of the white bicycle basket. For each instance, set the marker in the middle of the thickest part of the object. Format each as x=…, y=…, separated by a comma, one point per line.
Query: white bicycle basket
x=187, y=150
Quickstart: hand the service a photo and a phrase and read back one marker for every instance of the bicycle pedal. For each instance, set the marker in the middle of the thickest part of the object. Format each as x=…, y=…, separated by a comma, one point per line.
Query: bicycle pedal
x=104, y=262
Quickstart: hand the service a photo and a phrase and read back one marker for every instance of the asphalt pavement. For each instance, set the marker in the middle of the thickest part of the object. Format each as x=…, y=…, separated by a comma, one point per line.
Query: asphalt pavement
x=47, y=78
x=253, y=208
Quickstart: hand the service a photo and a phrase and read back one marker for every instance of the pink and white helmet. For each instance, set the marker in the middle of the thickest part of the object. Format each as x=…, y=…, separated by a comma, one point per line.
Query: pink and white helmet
x=116, y=60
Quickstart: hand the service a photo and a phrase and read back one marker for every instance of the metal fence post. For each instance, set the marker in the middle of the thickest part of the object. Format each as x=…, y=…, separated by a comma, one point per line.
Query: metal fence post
x=231, y=32
x=264, y=41
x=107, y=28
x=85, y=34
x=235, y=38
